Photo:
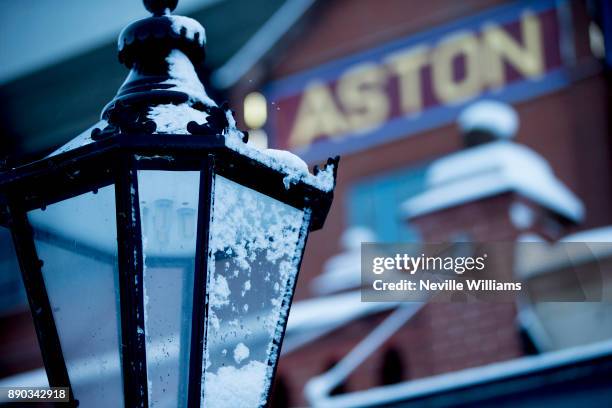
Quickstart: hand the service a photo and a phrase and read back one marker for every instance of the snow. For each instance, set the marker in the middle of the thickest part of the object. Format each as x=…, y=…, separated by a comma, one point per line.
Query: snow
x=530, y=237
x=294, y=167
x=190, y=25
x=242, y=386
x=488, y=374
x=343, y=271
x=521, y=216
x=493, y=116
x=353, y=237
x=245, y=288
x=317, y=389
x=184, y=78
x=220, y=291
x=250, y=233
x=249, y=222
x=602, y=234
x=492, y=169
x=288, y=158
x=171, y=118
x=333, y=310
x=241, y=352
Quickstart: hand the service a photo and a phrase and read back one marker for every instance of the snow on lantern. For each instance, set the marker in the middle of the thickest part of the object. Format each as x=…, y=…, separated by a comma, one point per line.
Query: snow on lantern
x=158, y=249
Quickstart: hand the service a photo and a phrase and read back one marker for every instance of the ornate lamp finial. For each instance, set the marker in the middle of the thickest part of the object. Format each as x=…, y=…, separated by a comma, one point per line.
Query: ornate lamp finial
x=162, y=53
x=159, y=7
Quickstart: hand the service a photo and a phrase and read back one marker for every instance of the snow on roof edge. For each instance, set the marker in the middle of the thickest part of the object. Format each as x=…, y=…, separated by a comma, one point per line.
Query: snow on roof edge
x=560, y=200
x=469, y=377
x=321, y=311
x=491, y=169
x=600, y=234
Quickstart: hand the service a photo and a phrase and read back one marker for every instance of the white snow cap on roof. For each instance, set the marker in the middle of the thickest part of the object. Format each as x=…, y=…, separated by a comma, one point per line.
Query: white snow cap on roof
x=492, y=169
x=353, y=237
x=496, y=117
x=343, y=271
x=332, y=310
x=601, y=234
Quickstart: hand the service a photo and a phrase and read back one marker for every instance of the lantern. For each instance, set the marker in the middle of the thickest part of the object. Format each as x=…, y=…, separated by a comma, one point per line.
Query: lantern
x=158, y=249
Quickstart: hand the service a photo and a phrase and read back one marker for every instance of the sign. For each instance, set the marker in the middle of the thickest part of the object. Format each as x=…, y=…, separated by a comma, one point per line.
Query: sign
x=510, y=53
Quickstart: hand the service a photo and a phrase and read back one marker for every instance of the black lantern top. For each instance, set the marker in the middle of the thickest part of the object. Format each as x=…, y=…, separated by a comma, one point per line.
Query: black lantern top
x=161, y=52
x=162, y=108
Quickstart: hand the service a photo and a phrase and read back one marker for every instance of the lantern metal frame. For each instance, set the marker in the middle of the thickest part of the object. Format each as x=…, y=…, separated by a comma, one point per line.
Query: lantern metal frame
x=113, y=155
x=115, y=160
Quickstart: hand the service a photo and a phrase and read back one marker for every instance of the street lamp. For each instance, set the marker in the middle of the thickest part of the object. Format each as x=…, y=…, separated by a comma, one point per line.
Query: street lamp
x=159, y=251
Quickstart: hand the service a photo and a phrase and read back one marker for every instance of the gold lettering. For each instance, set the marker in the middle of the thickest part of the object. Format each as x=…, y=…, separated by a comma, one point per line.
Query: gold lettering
x=501, y=46
x=447, y=88
x=317, y=116
x=361, y=92
x=407, y=66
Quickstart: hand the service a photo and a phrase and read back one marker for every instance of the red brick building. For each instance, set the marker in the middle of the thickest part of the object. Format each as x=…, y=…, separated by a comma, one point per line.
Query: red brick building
x=381, y=83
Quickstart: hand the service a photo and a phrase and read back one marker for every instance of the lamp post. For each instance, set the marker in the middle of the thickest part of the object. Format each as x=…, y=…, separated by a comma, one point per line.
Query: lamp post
x=159, y=251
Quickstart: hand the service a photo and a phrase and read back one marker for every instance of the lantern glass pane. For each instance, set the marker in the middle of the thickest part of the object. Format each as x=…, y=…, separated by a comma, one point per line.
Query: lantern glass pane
x=77, y=241
x=168, y=214
x=255, y=248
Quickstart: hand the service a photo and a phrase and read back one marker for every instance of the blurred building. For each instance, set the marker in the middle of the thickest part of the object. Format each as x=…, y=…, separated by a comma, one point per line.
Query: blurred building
x=381, y=83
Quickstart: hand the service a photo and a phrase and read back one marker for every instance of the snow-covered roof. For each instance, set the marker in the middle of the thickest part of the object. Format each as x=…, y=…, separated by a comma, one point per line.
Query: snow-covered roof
x=601, y=234
x=343, y=271
x=492, y=169
x=335, y=310
x=470, y=377
x=487, y=115
x=318, y=388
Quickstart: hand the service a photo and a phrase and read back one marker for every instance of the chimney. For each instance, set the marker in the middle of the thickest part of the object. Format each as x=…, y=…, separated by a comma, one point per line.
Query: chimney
x=495, y=189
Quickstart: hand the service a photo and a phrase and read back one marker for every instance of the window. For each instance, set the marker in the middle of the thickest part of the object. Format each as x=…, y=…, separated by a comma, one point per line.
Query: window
x=375, y=203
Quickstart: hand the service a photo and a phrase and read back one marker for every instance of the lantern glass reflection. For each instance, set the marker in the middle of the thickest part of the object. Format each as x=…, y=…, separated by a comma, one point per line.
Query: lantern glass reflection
x=255, y=246
x=77, y=239
x=168, y=213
